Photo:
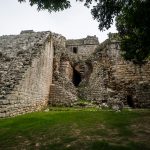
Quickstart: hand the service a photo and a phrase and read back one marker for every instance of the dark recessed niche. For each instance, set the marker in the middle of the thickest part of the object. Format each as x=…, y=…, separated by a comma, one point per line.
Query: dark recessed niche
x=75, y=50
x=130, y=101
x=76, y=78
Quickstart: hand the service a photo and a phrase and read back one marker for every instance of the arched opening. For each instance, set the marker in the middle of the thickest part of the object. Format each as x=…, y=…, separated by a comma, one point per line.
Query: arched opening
x=130, y=101
x=76, y=78
x=75, y=50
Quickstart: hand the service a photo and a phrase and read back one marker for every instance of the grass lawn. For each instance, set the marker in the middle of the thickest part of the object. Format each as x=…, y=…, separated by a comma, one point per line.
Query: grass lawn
x=77, y=130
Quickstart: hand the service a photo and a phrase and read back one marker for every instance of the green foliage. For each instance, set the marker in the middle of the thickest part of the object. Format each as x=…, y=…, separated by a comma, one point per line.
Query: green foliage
x=133, y=25
x=50, y=5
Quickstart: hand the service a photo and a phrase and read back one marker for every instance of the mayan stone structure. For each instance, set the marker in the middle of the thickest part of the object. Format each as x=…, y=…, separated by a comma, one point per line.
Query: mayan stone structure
x=115, y=80
x=25, y=72
x=38, y=69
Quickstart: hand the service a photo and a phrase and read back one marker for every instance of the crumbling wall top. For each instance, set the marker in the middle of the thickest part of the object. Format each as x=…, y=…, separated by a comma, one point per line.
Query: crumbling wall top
x=89, y=40
x=26, y=31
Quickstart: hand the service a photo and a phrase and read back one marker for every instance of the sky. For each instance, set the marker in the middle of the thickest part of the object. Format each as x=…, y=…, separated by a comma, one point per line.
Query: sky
x=73, y=23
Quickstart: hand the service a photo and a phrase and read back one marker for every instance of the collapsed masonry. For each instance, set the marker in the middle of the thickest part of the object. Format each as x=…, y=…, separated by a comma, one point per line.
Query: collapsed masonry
x=41, y=68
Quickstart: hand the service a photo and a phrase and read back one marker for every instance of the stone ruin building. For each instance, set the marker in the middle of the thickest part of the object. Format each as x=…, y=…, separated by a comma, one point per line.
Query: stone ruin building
x=43, y=68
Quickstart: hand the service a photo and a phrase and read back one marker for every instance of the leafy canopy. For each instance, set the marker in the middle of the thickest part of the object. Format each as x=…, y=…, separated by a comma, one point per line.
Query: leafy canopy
x=132, y=21
x=133, y=25
x=50, y=5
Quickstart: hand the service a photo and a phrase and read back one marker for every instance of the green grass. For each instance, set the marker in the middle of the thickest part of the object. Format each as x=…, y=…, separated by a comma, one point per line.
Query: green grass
x=72, y=129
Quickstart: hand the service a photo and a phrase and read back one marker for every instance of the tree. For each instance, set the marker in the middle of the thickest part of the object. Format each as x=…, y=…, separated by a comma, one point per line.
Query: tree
x=132, y=21
x=133, y=25
x=50, y=5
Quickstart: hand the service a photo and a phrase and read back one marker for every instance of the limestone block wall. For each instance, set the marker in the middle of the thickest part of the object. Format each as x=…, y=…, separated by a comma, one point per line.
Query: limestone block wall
x=83, y=51
x=82, y=48
x=114, y=78
x=62, y=91
x=59, y=96
x=66, y=69
x=30, y=78
x=94, y=89
x=40, y=68
x=131, y=80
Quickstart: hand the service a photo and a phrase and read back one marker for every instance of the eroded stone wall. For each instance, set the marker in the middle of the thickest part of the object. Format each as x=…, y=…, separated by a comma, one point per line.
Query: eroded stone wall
x=114, y=79
x=63, y=92
x=41, y=68
x=99, y=73
x=25, y=83
x=82, y=48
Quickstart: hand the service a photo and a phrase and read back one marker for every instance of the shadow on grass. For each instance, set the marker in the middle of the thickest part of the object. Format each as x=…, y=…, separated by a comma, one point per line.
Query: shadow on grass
x=74, y=130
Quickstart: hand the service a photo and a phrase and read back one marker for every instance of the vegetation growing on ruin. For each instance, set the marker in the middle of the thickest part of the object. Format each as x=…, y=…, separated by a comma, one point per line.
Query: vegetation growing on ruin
x=74, y=129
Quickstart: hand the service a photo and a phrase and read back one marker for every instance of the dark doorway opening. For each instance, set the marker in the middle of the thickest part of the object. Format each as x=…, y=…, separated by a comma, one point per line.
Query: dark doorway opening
x=76, y=77
x=75, y=50
x=130, y=101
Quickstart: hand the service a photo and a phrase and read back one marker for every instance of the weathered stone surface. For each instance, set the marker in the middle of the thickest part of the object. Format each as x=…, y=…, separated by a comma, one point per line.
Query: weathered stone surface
x=41, y=68
x=114, y=78
x=59, y=96
x=82, y=48
x=27, y=74
x=105, y=77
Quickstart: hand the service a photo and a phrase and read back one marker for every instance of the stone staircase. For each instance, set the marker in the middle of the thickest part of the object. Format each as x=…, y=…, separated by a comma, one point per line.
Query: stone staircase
x=60, y=97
